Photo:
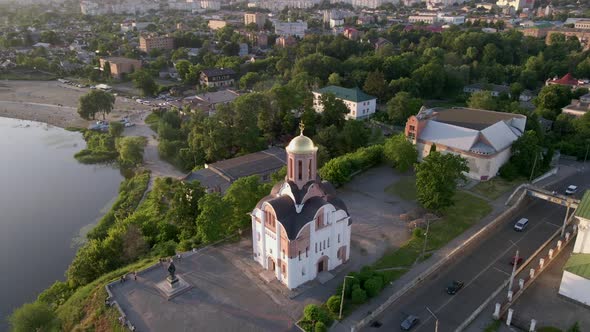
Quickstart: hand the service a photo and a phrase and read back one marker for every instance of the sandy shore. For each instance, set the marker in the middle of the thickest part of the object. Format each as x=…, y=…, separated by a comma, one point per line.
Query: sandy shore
x=53, y=103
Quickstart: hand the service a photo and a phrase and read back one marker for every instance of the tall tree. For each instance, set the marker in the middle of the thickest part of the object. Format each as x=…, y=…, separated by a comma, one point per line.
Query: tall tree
x=240, y=197
x=375, y=85
x=213, y=221
x=436, y=179
x=402, y=106
x=400, y=152
x=95, y=101
x=36, y=316
x=483, y=100
x=145, y=82
x=333, y=112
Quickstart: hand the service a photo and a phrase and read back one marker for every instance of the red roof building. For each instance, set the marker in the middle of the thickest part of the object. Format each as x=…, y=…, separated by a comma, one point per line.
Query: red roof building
x=567, y=80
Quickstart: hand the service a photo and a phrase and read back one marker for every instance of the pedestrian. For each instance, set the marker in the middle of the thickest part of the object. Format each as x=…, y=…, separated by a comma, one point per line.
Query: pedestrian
x=122, y=279
x=134, y=275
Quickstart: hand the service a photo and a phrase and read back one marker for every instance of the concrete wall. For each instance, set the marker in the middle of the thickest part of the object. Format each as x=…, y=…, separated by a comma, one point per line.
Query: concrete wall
x=575, y=287
x=582, y=245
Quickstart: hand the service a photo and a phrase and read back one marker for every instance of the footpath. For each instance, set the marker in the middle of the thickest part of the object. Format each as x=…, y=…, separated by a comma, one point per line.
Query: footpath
x=414, y=275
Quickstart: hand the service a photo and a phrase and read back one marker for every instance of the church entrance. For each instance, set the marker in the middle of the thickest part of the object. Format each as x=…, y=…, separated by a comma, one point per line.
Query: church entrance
x=271, y=264
x=323, y=264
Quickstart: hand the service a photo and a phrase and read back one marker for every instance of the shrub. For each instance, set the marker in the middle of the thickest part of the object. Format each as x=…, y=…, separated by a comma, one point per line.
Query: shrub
x=340, y=170
x=36, y=316
x=320, y=327
x=333, y=304
x=509, y=171
x=418, y=232
x=373, y=286
x=359, y=296
x=116, y=129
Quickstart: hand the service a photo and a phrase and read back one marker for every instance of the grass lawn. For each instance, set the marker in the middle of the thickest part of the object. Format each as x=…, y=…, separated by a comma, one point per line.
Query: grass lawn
x=404, y=188
x=467, y=210
x=496, y=187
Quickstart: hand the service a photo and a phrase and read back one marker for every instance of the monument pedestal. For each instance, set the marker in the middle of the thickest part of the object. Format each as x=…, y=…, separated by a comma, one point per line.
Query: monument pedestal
x=170, y=288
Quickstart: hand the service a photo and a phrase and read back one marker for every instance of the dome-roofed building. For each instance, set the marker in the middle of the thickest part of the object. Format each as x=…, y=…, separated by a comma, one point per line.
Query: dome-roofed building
x=301, y=228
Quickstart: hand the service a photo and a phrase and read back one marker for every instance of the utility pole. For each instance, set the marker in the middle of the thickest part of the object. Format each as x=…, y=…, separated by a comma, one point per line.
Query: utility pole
x=425, y=237
x=513, y=271
x=436, y=318
x=533, y=170
x=342, y=296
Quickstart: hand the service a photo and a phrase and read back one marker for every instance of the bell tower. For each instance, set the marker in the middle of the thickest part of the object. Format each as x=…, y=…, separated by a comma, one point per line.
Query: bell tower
x=301, y=159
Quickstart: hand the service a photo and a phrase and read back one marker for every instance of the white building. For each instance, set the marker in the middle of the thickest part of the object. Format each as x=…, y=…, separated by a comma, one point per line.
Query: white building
x=516, y=4
x=360, y=104
x=575, y=282
x=296, y=29
x=301, y=229
x=483, y=138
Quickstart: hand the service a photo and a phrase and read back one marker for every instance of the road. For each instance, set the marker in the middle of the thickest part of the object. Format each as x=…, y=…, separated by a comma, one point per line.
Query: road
x=483, y=269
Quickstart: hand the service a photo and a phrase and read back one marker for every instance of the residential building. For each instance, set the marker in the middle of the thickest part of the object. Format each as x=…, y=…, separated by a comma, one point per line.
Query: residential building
x=210, y=5
x=495, y=89
x=575, y=282
x=381, y=42
x=302, y=228
x=257, y=18
x=582, y=24
x=583, y=35
x=451, y=19
x=483, y=138
x=207, y=102
x=516, y=4
x=428, y=19
x=578, y=107
x=216, y=24
x=218, y=176
x=120, y=66
x=336, y=22
x=288, y=41
x=568, y=80
x=360, y=104
x=351, y=33
x=128, y=26
x=147, y=43
x=296, y=29
x=217, y=77
x=372, y=4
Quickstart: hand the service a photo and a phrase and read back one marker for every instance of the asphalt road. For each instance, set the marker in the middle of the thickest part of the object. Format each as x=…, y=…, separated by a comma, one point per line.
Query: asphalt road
x=482, y=269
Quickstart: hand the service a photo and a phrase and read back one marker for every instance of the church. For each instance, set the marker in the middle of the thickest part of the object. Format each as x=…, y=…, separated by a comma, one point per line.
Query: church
x=301, y=229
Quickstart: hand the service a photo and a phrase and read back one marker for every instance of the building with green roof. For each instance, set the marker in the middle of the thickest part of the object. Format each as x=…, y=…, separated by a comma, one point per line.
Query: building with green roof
x=575, y=282
x=360, y=104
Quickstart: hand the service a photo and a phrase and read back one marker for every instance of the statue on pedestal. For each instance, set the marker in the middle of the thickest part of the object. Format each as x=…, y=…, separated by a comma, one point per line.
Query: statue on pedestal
x=172, y=279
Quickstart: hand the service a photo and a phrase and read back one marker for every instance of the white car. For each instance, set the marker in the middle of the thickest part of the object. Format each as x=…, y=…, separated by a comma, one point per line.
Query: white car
x=571, y=189
x=521, y=224
x=129, y=124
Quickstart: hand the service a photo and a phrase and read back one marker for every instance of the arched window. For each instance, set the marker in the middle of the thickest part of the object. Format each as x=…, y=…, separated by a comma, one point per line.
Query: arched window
x=300, y=169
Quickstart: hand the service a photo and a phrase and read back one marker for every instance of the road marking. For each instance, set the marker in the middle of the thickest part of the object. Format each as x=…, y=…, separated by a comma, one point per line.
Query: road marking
x=497, y=269
x=552, y=224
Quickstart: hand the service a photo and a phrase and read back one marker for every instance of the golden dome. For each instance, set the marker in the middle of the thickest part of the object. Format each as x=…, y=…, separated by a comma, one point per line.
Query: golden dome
x=301, y=144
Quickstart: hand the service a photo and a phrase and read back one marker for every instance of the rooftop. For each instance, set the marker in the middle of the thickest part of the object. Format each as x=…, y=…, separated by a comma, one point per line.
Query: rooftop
x=473, y=118
x=218, y=71
x=579, y=264
x=223, y=96
x=583, y=209
x=118, y=59
x=354, y=94
x=490, y=87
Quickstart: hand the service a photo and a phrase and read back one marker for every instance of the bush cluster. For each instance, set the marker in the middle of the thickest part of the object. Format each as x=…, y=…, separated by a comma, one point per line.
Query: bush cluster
x=340, y=170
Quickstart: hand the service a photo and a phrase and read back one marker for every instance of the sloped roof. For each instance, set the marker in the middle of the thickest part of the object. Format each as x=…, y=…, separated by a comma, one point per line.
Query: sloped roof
x=218, y=71
x=354, y=94
x=499, y=135
x=579, y=264
x=583, y=209
x=567, y=79
x=251, y=164
x=449, y=135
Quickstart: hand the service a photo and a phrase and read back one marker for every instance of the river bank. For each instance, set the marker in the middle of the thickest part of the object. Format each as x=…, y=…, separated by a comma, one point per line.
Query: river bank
x=53, y=103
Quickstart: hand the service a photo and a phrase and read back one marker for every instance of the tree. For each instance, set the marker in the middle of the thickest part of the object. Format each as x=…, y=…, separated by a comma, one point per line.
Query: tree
x=375, y=85
x=214, y=218
x=145, y=82
x=95, y=101
x=483, y=100
x=320, y=327
x=354, y=135
x=526, y=154
x=436, y=179
x=131, y=149
x=335, y=79
x=241, y=196
x=400, y=152
x=106, y=69
x=333, y=112
x=247, y=81
x=183, y=67
x=333, y=304
x=36, y=316
x=552, y=98
x=402, y=106
x=373, y=286
x=359, y=295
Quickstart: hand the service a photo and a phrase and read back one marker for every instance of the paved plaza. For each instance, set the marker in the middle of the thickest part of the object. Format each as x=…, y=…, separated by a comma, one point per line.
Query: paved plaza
x=229, y=292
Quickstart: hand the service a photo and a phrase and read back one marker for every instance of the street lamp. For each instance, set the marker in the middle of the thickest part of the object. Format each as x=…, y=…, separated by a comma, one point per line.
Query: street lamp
x=342, y=296
x=425, y=236
x=436, y=318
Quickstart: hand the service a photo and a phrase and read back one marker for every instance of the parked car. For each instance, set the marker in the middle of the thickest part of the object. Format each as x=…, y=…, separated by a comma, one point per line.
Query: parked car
x=521, y=224
x=129, y=124
x=410, y=322
x=454, y=287
x=571, y=189
x=516, y=260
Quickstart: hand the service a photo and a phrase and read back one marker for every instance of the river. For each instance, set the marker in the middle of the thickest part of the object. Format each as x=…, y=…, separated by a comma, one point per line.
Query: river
x=47, y=201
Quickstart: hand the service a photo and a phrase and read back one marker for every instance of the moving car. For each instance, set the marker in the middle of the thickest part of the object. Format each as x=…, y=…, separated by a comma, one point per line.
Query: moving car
x=454, y=287
x=410, y=322
x=516, y=260
x=571, y=189
x=521, y=224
